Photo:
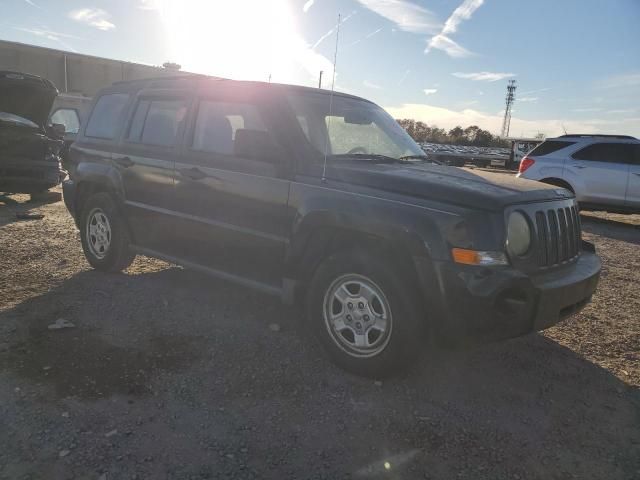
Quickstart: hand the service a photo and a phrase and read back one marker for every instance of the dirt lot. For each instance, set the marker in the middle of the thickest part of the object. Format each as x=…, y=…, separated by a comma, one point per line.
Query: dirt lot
x=168, y=374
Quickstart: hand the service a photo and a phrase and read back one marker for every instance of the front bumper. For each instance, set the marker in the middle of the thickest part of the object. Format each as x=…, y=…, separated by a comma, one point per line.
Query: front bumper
x=486, y=304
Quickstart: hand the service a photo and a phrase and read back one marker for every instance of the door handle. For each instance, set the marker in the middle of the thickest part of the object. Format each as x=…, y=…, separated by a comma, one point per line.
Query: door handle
x=636, y=173
x=193, y=173
x=124, y=162
x=580, y=166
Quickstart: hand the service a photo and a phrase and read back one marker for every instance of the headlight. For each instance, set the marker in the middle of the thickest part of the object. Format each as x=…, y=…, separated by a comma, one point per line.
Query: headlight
x=518, y=234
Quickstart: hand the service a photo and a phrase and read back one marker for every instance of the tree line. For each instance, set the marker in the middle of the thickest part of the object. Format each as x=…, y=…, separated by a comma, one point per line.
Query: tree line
x=473, y=135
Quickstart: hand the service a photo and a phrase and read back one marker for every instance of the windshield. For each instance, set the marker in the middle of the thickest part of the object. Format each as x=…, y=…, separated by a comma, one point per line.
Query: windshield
x=17, y=120
x=352, y=128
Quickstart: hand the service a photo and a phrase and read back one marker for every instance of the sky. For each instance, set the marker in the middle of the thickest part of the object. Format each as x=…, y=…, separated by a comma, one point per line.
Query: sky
x=444, y=62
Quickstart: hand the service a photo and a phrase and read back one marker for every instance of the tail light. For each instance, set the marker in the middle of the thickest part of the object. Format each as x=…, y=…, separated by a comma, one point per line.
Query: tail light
x=525, y=163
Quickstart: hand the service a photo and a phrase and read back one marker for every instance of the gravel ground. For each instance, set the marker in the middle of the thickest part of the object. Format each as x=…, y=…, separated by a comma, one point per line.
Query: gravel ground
x=168, y=374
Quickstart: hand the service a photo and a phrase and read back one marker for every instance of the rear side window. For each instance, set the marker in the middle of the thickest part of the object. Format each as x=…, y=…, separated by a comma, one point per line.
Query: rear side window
x=545, y=148
x=157, y=122
x=67, y=117
x=106, y=116
x=606, y=152
x=218, y=122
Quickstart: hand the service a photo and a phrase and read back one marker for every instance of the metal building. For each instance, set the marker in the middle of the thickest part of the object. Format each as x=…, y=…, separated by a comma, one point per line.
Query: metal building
x=73, y=72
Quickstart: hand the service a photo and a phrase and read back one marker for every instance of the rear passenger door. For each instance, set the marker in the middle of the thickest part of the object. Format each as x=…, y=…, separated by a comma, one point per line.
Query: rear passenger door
x=233, y=209
x=602, y=169
x=145, y=159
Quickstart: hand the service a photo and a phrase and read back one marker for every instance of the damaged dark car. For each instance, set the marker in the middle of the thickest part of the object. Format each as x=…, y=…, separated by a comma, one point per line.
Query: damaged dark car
x=29, y=145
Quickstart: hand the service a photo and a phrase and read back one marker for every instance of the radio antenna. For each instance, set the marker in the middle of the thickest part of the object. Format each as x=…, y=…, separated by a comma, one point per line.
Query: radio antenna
x=333, y=84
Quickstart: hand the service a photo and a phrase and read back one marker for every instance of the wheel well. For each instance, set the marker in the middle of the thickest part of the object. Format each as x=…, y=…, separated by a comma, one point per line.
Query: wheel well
x=85, y=190
x=324, y=242
x=558, y=182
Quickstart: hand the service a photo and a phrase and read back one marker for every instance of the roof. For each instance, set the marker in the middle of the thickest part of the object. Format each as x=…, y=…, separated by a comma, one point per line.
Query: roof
x=598, y=135
x=199, y=78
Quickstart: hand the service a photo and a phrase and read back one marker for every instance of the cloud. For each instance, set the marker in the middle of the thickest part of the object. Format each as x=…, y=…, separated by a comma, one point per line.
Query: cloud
x=539, y=90
x=621, y=81
x=307, y=5
x=367, y=36
x=463, y=12
x=621, y=111
x=94, y=17
x=30, y=2
x=451, y=48
x=149, y=5
x=332, y=30
x=527, y=99
x=586, y=110
x=442, y=41
x=369, y=84
x=404, y=77
x=430, y=91
x=49, y=34
x=484, y=76
x=447, y=119
x=408, y=16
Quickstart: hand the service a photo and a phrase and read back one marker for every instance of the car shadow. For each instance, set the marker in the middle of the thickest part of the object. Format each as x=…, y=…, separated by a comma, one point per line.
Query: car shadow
x=607, y=227
x=175, y=343
x=12, y=206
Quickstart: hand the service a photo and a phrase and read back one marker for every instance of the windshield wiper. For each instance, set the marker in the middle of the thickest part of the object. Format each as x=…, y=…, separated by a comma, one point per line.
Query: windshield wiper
x=370, y=156
x=420, y=157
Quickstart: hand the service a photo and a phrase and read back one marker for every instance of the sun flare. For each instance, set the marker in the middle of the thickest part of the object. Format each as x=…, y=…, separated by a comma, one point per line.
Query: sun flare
x=240, y=39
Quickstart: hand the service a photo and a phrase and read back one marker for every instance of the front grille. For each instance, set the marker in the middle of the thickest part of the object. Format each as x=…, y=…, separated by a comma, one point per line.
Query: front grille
x=558, y=235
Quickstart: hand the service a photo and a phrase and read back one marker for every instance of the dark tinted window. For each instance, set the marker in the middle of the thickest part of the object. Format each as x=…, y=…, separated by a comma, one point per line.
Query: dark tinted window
x=548, y=147
x=218, y=122
x=636, y=154
x=135, y=132
x=106, y=116
x=605, y=152
x=157, y=122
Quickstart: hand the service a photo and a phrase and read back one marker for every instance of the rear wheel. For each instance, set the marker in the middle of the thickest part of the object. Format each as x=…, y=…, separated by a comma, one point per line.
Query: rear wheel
x=104, y=235
x=365, y=313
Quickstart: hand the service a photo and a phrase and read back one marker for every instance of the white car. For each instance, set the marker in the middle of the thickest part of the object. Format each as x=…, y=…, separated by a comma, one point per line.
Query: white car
x=602, y=170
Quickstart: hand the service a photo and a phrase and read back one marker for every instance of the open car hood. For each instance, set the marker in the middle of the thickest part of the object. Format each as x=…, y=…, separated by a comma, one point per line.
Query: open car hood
x=27, y=96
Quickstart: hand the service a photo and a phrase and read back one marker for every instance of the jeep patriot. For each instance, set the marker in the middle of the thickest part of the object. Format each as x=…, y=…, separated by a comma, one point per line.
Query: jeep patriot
x=324, y=200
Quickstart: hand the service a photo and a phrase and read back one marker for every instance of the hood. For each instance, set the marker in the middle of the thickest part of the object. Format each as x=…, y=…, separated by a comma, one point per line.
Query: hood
x=465, y=187
x=27, y=96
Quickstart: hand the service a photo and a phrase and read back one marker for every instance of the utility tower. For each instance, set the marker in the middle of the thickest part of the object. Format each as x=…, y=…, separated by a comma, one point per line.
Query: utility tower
x=511, y=96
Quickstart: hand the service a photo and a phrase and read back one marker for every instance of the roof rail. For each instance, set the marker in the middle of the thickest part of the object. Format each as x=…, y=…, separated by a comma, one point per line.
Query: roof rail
x=587, y=135
x=168, y=77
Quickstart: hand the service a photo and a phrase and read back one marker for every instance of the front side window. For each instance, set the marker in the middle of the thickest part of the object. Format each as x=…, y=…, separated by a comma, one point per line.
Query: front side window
x=217, y=124
x=157, y=122
x=353, y=127
x=67, y=117
x=605, y=152
x=106, y=116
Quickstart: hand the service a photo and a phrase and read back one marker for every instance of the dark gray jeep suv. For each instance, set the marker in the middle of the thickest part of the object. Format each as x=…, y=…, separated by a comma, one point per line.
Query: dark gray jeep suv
x=325, y=200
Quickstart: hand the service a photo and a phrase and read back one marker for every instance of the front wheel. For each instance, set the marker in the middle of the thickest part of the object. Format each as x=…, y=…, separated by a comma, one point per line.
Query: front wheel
x=104, y=235
x=366, y=314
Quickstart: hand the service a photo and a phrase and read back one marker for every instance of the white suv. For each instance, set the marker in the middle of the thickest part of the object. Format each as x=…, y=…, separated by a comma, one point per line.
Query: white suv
x=602, y=170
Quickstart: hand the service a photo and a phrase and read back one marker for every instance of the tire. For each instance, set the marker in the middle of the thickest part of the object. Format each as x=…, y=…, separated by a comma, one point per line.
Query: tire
x=104, y=234
x=366, y=276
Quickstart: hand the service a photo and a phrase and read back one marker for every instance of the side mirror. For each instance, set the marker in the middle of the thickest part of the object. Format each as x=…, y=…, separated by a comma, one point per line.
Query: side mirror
x=256, y=145
x=59, y=129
